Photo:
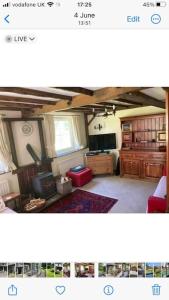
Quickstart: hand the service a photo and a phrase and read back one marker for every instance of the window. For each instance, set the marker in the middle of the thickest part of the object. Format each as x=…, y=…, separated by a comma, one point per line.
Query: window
x=3, y=168
x=65, y=136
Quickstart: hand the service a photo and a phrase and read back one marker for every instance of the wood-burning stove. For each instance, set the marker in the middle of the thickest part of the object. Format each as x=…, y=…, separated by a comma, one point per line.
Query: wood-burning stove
x=44, y=185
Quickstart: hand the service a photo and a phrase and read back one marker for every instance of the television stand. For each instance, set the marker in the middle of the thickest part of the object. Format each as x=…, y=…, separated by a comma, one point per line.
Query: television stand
x=101, y=163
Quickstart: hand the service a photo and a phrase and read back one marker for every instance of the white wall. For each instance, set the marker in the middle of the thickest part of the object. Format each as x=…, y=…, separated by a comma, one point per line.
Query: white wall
x=62, y=164
x=11, y=114
x=12, y=180
x=20, y=143
x=111, y=124
x=59, y=166
x=21, y=140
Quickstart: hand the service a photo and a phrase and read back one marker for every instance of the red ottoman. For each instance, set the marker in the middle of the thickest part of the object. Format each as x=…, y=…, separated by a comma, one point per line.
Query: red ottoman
x=156, y=205
x=80, y=178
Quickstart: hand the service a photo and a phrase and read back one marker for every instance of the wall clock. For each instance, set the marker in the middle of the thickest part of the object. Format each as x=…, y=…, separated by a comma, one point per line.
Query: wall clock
x=27, y=128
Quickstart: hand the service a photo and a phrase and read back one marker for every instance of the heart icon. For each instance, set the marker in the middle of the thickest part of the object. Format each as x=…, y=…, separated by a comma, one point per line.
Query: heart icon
x=60, y=289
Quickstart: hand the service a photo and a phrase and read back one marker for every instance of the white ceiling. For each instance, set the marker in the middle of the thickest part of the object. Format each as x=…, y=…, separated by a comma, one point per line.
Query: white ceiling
x=156, y=92
x=55, y=91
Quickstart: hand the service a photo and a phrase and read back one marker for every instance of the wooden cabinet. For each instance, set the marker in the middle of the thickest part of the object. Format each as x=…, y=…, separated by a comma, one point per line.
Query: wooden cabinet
x=131, y=167
x=144, y=132
x=141, y=155
x=142, y=164
x=152, y=169
x=100, y=164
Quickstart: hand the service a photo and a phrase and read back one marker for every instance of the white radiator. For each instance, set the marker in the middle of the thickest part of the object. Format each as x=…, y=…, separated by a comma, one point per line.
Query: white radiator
x=4, y=187
x=66, y=164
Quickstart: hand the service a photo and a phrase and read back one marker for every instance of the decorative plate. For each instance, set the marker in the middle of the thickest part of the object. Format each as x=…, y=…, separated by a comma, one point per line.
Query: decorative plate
x=27, y=129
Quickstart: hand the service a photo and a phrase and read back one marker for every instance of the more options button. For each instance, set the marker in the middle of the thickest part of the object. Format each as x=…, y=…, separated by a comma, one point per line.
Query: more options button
x=156, y=19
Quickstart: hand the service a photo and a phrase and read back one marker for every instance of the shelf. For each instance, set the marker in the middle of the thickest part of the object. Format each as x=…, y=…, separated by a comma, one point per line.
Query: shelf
x=155, y=130
x=143, y=131
x=141, y=149
x=144, y=143
x=147, y=142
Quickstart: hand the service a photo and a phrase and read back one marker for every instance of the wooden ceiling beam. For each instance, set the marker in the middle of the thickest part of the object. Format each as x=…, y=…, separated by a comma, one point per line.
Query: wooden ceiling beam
x=144, y=99
x=16, y=99
x=98, y=106
x=129, y=101
x=152, y=100
x=99, y=109
x=102, y=108
x=101, y=95
x=94, y=105
x=79, y=90
x=20, y=105
x=16, y=109
x=110, y=104
x=91, y=120
x=107, y=104
x=82, y=109
x=91, y=107
x=32, y=92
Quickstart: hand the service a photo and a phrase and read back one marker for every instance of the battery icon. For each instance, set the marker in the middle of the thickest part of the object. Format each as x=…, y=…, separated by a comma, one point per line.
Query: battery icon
x=161, y=4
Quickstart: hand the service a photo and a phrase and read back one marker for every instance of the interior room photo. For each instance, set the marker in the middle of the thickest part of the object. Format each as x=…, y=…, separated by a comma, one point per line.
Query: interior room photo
x=84, y=150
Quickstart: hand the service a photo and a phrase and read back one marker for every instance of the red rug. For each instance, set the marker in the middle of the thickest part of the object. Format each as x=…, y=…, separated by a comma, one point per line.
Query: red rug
x=82, y=202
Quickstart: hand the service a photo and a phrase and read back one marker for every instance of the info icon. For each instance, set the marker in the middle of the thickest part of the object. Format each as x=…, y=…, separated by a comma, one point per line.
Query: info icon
x=108, y=290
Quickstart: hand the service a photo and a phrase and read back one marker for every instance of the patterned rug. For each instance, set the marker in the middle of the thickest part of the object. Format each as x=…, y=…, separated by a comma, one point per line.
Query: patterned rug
x=81, y=201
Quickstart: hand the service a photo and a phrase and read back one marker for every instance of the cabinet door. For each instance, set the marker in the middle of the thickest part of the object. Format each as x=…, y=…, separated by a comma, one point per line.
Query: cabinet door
x=135, y=167
x=126, y=166
x=152, y=169
x=131, y=167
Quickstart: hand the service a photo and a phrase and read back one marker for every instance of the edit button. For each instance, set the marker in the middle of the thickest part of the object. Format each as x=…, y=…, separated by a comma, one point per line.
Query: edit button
x=133, y=19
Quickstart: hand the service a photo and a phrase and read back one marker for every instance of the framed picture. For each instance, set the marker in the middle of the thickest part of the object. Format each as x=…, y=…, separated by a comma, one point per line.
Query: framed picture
x=161, y=136
x=126, y=127
x=127, y=136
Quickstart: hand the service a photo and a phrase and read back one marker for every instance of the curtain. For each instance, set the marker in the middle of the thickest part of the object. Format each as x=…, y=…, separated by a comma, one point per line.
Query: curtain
x=5, y=154
x=79, y=131
x=50, y=140
x=50, y=135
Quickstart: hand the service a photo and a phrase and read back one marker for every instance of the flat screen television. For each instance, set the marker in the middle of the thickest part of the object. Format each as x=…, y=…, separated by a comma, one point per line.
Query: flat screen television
x=102, y=142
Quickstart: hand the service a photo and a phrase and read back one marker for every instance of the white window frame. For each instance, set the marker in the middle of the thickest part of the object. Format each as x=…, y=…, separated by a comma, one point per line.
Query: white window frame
x=73, y=148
